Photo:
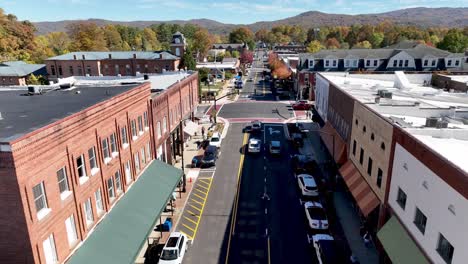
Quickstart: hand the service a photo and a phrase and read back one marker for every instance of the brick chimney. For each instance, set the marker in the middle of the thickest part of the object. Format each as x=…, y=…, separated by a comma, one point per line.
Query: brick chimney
x=83, y=56
x=110, y=56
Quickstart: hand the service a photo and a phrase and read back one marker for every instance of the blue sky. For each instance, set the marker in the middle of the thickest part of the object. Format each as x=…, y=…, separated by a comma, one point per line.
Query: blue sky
x=227, y=11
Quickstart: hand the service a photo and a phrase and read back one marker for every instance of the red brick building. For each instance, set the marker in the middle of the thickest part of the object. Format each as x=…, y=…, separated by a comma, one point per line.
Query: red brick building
x=68, y=156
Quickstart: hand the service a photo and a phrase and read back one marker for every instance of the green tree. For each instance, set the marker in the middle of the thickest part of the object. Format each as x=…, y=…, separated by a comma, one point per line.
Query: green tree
x=314, y=46
x=202, y=42
x=242, y=35
x=454, y=41
x=188, y=61
x=86, y=37
x=376, y=39
x=363, y=45
x=150, y=41
x=235, y=54
x=112, y=37
x=58, y=42
x=32, y=80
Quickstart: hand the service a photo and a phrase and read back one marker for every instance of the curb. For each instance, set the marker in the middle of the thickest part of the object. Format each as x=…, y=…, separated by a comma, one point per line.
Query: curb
x=226, y=126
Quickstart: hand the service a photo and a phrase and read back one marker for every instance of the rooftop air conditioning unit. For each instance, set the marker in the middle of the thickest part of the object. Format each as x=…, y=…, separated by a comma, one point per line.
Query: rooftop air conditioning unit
x=66, y=85
x=381, y=91
x=442, y=124
x=432, y=121
x=387, y=94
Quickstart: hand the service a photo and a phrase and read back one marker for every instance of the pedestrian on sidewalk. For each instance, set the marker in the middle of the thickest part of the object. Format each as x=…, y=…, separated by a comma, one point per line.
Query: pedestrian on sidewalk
x=203, y=132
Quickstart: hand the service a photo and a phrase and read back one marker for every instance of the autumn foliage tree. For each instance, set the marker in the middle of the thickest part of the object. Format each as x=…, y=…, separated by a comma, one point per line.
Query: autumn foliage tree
x=278, y=68
x=246, y=57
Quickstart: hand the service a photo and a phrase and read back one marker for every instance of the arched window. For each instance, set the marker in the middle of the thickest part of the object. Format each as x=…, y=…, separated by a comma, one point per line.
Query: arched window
x=177, y=51
x=372, y=137
x=382, y=146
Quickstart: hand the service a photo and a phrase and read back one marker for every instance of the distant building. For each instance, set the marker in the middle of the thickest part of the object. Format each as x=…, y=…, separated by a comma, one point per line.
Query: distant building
x=17, y=72
x=114, y=63
x=291, y=47
x=231, y=47
x=228, y=64
x=404, y=56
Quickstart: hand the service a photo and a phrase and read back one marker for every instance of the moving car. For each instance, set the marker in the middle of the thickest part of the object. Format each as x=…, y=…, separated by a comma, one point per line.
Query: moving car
x=256, y=125
x=316, y=215
x=254, y=145
x=215, y=140
x=209, y=157
x=275, y=147
x=307, y=185
x=302, y=105
x=326, y=250
x=174, y=249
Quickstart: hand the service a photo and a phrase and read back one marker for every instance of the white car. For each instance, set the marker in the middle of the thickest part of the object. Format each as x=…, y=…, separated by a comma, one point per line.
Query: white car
x=307, y=185
x=325, y=248
x=256, y=125
x=316, y=215
x=254, y=145
x=174, y=250
x=215, y=140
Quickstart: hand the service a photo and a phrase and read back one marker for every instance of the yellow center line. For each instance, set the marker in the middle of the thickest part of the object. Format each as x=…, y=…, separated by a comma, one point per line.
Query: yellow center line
x=236, y=199
x=190, y=220
x=188, y=227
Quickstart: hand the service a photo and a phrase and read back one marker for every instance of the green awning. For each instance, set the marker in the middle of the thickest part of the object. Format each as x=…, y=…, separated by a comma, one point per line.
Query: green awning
x=398, y=244
x=121, y=234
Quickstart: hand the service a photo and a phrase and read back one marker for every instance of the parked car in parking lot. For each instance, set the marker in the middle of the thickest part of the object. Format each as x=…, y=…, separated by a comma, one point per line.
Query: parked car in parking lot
x=215, y=140
x=307, y=185
x=316, y=216
x=275, y=147
x=174, y=249
x=302, y=105
x=209, y=157
x=254, y=145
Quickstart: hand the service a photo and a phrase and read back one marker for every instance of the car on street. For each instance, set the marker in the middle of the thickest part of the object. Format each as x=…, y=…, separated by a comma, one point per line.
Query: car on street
x=209, y=157
x=304, y=163
x=247, y=129
x=275, y=147
x=174, y=250
x=254, y=145
x=316, y=216
x=307, y=185
x=215, y=140
x=302, y=105
x=326, y=249
x=256, y=125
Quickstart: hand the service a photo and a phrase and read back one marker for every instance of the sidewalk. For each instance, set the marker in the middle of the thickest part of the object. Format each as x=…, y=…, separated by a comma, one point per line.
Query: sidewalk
x=346, y=214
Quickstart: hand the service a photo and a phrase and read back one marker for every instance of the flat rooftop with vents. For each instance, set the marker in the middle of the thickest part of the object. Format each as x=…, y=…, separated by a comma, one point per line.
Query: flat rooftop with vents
x=436, y=117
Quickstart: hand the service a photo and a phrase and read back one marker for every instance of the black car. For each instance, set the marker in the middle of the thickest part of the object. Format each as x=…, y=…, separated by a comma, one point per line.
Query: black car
x=209, y=157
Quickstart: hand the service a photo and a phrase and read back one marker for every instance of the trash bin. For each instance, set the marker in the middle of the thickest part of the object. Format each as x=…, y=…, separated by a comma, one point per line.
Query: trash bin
x=167, y=224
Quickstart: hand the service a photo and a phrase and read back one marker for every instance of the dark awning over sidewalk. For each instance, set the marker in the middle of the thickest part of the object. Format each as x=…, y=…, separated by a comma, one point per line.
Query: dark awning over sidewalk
x=362, y=193
x=398, y=245
x=333, y=140
x=122, y=233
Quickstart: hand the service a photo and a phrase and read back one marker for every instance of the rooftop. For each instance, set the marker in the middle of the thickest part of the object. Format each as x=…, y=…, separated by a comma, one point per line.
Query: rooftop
x=118, y=55
x=19, y=68
x=22, y=114
x=436, y=117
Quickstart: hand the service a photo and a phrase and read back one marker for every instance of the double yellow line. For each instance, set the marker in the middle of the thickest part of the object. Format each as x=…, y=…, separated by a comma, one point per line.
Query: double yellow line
x=236, y=199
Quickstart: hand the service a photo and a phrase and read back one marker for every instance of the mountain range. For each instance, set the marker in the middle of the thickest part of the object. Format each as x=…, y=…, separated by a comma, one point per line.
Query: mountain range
x=419, y=16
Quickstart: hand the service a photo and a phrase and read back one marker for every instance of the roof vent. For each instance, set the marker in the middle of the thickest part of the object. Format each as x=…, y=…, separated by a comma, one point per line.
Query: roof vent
x=83, y=56
x=431, y=121
x=110, y=56
x=417, y=103
x=380, y=91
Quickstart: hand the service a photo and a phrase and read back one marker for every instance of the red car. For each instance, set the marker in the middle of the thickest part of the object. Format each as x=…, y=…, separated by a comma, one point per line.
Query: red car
x=301, y=105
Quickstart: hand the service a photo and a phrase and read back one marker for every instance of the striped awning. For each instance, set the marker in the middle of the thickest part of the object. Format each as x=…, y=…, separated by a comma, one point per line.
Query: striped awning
x=362, y=193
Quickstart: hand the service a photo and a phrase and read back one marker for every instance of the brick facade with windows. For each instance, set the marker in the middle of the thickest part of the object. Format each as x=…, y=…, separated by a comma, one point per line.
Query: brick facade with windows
x=37, y=157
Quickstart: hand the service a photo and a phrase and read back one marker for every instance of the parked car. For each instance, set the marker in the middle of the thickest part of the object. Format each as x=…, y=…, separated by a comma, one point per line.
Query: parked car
x=307, y=185
x=326, y=250
x=275, y=147
x=256, y=125
x=209, y=157
x=215, y=140
x=316, y=216
x=174, y=249
x=303, y=163
x=302, y=105
x=254, y=145
x=297, y=139
x=247, y=129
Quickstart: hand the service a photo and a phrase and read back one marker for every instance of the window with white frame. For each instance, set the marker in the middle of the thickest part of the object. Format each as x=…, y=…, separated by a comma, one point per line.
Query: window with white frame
x=457, y=63
x=140, y=124
x=367, y=63
x=99, y=204
x=311, y=63
x=88, y=212
x=123, y=134
x=70, y=226
x=334, y=63
x=449, y=63
x=113, y=144
x=165, y=124
x=50, y=252
x=158, y=129
x=105, y=150
x=81, y=168
x=148, y=152
x=92, y=160
x=143, y=156
x=137, y=162
x=406, y=63
x=433, y=63
x=400, y=63
x=40, y=199
x=134, y=129
x=145, y=119
x=376, y=63
x=128, y=172
x=118, y=181
x=327, y=63
x=110, y=188
x=62, y=179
